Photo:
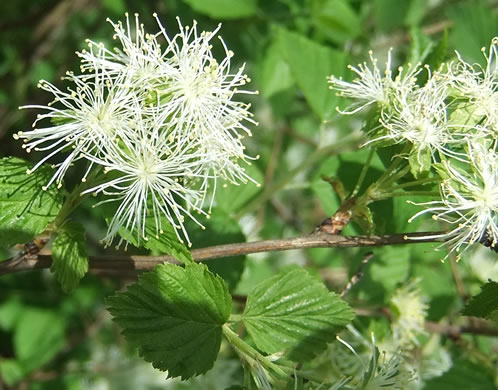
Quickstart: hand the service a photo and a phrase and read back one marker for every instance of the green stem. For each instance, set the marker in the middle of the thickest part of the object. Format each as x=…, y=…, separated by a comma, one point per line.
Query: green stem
x=413, y=193
x=363, y=173
x=415, y=183
x=252, y=357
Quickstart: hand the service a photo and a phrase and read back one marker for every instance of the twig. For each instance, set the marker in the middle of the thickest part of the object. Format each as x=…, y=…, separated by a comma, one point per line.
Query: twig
x=142, y=263
x=357, y=275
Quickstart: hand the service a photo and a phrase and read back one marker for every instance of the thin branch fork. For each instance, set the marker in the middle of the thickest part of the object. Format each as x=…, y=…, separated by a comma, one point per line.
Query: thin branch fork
x=121, y=263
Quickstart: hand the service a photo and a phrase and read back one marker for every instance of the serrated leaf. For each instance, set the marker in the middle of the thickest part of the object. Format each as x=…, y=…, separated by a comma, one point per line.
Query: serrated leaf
x=25, y=209
x=294, y=312
x=70, y=259
x=484, y=304
x=174, y=316
x=38, y=336
x=311, y=64
x=225, y=9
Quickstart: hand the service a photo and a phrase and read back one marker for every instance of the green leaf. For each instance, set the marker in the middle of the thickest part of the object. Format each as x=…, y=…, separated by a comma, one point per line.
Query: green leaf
x=225, y=9
x=25, y=209
x=421, y=46
x=484, y=304
x=336, y=19
x=474, y=25
x=462, y=375
x=11, y=371
x=220, y=229
x=416, y=11
x=294, y=312
x=420, y=162
x=38, y=336
x=115, y=6
x=70, y=259
x=174, y=316
x=166, y=243
x=311, y=64
x=390, y=14
x=10, y=312
x=232, y=198
x=275, y=73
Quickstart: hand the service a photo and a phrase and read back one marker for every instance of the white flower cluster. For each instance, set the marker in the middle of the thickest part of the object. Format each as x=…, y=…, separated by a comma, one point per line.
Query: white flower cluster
x=158, y=115
x=449, y=128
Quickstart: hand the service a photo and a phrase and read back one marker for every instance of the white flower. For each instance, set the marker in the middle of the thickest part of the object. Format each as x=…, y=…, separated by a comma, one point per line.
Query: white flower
x=151, y=178
x=196, y=93
x=479, y=86
x=469, y=199
x=372, y=86
x=95, y=111
x=409, y=315
x=419, y=117
x=187, y=89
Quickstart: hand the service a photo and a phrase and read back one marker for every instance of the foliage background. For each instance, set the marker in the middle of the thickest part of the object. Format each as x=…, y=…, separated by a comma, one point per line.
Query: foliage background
x=51, y=340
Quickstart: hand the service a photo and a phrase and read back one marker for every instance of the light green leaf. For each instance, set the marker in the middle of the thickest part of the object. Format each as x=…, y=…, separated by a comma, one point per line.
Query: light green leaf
x=174, y=316
x=336, y=19
x=70, y=259
x=25, y=209
x=275, y=73
x=421, y=46
x=38, y=336
x=232, y=198
x=420, y=162
x=294, y=312
x=11, y=371
x=484, y=304
x=311, y=64
x=390, y=14
x=10, y=311
x=474, y=25
x=225, y=9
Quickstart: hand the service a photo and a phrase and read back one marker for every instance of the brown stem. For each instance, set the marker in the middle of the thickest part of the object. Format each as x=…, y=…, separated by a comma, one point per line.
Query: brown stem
x=142, y=263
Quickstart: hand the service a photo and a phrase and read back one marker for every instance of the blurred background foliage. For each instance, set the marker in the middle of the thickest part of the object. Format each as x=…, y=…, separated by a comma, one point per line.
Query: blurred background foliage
x=52, y=340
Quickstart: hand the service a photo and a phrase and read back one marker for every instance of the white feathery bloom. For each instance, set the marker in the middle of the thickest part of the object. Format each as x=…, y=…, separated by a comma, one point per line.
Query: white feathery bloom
x=196, y=95
x=469, y=199
x=163, y=123
x=140, y=55
x=382, y=372
x=151, y=176
x=95, y=111
x=479, y=86
x=191, y=91
x=410, y=310
x=419, y=117
x=373, y=86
